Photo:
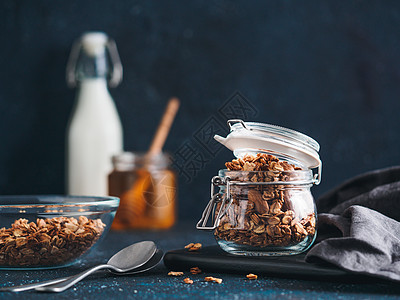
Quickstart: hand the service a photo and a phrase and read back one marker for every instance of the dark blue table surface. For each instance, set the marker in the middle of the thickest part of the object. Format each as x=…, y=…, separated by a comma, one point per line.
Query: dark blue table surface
x=156, y=283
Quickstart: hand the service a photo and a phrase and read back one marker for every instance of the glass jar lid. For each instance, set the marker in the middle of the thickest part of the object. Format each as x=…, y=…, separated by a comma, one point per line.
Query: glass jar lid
x=251, y=137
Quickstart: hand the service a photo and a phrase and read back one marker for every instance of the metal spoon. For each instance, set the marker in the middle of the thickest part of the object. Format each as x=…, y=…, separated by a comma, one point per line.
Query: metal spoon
x=146, y=267
x=130, y=258
x=124, y=261
x=59, y=287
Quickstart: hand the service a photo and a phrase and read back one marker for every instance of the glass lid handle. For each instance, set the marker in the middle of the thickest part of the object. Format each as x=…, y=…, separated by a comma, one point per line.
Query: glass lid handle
x=233, y=121
x=317, y=177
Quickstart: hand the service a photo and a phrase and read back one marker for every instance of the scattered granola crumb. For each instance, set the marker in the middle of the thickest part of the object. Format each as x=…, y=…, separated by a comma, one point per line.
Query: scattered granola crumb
x=172, y=273
x=252, y=276
x=213, y=279
x=189, y=246
x=218, y=280
x=195, y=270
x=193, y=246
x=188, y=281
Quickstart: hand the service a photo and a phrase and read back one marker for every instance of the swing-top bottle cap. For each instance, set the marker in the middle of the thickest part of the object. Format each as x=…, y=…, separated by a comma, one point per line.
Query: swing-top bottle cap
x=94, y=43
x=94, y=46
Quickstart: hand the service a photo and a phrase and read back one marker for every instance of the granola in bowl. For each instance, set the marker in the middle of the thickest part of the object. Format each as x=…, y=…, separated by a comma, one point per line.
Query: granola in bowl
x=47, y=241
x=51, y=231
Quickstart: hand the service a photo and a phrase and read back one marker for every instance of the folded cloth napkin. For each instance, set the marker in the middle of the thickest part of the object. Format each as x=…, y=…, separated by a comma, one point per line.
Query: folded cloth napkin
x=359, y=225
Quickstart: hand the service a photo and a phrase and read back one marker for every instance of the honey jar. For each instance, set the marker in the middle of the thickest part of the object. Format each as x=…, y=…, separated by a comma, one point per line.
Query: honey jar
x=146, y=187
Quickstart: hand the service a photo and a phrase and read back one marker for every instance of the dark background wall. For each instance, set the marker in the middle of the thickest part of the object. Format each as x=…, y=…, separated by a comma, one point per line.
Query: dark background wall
x=330, y=69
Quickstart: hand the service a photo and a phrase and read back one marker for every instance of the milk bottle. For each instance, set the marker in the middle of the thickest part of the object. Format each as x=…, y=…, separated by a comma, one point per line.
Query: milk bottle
x=94, y=132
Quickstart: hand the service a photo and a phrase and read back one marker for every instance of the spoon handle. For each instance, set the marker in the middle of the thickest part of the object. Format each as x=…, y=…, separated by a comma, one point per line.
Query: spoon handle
x=30, y=286
x=62, y=286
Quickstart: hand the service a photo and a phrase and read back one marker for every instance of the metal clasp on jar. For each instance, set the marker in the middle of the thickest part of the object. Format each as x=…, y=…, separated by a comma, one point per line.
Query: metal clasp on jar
x=216, y=198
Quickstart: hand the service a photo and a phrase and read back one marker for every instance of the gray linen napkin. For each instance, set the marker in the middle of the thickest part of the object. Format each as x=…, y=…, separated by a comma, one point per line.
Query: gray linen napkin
x=361, y=232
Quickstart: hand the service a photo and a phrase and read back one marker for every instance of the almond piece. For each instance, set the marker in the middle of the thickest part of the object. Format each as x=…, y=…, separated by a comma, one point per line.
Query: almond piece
x=188, y=281
x=252, y=276
x=173, y=273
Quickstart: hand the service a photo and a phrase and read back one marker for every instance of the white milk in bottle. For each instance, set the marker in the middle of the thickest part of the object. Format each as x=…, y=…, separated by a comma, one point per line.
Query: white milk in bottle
x=94, y=133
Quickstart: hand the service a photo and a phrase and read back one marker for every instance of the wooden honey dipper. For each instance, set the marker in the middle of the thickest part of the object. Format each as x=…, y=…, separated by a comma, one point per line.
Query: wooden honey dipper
x=135, y=201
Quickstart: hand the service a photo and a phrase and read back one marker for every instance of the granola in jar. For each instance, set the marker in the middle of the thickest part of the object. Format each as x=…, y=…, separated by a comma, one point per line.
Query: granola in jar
x=277, y=216
x=261, y=204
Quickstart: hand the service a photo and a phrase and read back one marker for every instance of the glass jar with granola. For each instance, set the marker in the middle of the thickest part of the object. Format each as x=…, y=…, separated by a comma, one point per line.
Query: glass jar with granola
x=264, y=205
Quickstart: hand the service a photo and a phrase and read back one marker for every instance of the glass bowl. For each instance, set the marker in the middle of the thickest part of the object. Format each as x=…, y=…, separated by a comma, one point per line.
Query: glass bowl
x=42, y=232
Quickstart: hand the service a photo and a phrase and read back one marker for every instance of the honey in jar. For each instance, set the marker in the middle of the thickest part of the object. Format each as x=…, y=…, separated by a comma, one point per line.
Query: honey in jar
x=147, y=188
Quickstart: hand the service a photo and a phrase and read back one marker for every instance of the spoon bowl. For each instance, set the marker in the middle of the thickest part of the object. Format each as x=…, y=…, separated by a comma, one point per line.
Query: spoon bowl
x=146, y=267
x=133, y=256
